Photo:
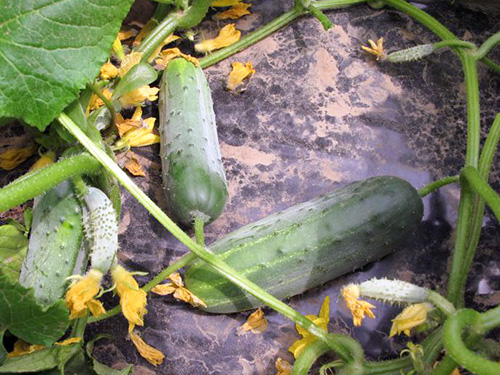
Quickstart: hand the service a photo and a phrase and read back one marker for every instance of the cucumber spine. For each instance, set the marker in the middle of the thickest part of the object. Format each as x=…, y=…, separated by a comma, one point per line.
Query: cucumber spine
x=309, y=244
x=193, y=175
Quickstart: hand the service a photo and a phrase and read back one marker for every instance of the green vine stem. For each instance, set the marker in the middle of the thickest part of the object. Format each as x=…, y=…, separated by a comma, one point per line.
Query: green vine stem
x=471, y=176
x=435, y=185
x=487, y=46
x=270, y=28
x=199, y=226
x=490, y=319
x=200, y=251
x=322, y=18
x=38, y=182
x=180, y=20
x=454, y=43
x=453, y=330
x=107, y=102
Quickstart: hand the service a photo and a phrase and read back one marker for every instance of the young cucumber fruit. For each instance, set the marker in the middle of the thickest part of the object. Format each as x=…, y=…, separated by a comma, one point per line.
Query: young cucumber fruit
x=54, y=243
x=193, y=176
x=309, y=244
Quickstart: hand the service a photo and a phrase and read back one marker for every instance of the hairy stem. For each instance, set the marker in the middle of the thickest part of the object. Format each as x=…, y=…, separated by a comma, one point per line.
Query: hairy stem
x=435, y=185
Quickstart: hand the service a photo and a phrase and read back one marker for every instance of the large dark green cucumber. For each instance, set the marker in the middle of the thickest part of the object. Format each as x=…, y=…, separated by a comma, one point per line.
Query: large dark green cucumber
x=55, y=240
x=309, y=244
x=193, y=176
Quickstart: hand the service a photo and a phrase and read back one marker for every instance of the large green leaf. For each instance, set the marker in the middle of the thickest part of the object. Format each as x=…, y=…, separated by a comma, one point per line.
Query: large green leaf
x=49, y=51
x=24, y=318
x=13, y=247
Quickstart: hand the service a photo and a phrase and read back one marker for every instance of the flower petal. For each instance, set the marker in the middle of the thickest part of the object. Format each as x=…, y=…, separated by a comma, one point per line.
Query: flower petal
x=133, y=166
x=82, y=292
x=132, y=299
x=108, y=71
x=283, y=367
x=359, y=308
x=227, y=36
x=256, y=323
x=14, y=156
x=237, y=11
x=238, y=74
x=411, y=316
x=150, y=354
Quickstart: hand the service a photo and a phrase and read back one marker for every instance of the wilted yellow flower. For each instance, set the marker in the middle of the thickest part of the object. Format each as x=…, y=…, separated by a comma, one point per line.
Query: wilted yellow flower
x=96, y=102
x=308, y=338
x=358, y=307
x=150, y=354
x=410, y=317
x=124, y=125
x=376, y=49
x=139, y=137
x=45, y=159
x=81, y=293
x=22, y=347
x=237, y=11
x=169, y=39
x=128, y=62
x=283, y=367
x=108, y=71
x=14, y=156
x=256, y=323
x=70, y=341
x=133, y=166
x=224, y=3
x=132, y=298
x=227, y=36
x=238, y=74
x=171, y=53
x=139, y=96
x=126, y=34
x=180, y=292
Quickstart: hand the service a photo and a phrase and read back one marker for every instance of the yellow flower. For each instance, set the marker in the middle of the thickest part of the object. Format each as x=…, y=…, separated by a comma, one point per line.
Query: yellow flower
x=133, y=166
x=96, y=102
x=256, y=323
x=308, y=338
x=138, y=137
x=283, y=367
x=237, y=11
x=128, y=62
x=358, y=307
x=22, y=347
x=180, y=292
x=81, y=293
x=410, y=317
x=376, y=49
x=126, y=34
x=124, y=125
x=171, y=53
x=14, y=156
x=224, y=3
x=139, y=96
x=238, y=74
x=70, y=341
x=108, y=71
x=227, y=36
x=132, y=298
x=169, y=39
x=45, y=159
x=150, y=354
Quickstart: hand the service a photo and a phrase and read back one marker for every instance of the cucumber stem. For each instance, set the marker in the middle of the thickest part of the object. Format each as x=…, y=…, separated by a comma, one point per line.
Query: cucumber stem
x=37, y=182
x=487, y=46
x=107, y=103
x=199, y=225
x=200, y=251
x=471, y=176
x=435, y=185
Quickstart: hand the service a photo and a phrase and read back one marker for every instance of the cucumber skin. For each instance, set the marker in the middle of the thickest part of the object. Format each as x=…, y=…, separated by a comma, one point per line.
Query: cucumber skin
x=55, y=240
x=194, y=180
x=309, y=244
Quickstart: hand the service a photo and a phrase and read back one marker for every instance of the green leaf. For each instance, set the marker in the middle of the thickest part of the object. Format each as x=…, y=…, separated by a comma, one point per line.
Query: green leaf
x=99, y=368
x=138, y=76
x=13, y=246
x=3, y=351
x=49, y=51
x=24, y=318
x=40, y=360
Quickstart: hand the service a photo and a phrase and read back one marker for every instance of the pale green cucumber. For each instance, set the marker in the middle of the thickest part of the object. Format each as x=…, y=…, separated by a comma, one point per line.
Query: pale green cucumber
x=101, y=229
x=193, y=175
x=55, y=240
x=309, y=244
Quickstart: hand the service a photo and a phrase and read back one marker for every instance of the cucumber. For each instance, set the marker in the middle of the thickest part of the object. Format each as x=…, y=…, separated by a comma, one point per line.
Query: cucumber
x=309, y=244
x=101, y=229
x=55, y=240
x=194, y=180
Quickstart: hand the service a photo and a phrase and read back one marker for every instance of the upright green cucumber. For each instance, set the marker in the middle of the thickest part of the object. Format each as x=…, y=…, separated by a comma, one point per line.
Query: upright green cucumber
x=55, y=240
x=193, y=175
x=309, y=244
